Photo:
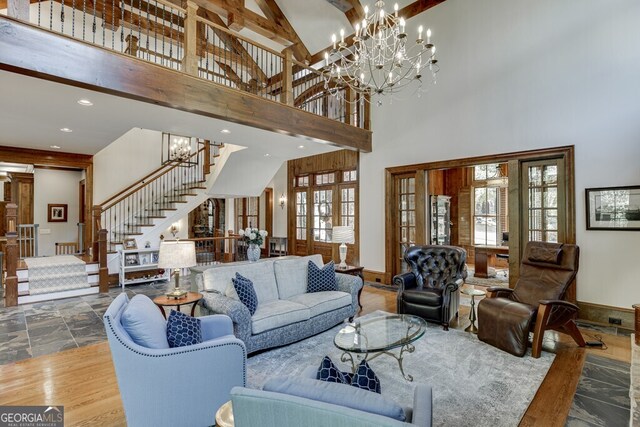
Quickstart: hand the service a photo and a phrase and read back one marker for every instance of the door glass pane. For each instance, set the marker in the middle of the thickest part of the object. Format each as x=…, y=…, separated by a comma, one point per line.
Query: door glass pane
x=551, y=197
x=550, y=174
x=543, y=202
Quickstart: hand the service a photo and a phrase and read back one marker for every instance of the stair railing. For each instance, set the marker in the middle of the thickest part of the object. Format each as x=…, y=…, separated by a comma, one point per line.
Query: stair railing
x=126, y=213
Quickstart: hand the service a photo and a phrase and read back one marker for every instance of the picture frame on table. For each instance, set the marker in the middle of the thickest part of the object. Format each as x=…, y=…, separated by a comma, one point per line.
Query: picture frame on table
x=131, y=260
x=129, y=243
x=145, y=259
x=155, y=256
x=57, y=212
x=613, y=208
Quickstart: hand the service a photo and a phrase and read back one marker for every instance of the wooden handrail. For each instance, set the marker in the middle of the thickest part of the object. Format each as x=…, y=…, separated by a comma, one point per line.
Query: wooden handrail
x=108, y=203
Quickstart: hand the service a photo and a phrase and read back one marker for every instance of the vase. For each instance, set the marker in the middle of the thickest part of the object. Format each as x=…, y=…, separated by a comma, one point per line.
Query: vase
x=253, y=252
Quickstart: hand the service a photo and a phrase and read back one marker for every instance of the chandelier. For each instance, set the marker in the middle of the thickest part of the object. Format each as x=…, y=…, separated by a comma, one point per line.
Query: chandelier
x=178, y=148
x=380, y=61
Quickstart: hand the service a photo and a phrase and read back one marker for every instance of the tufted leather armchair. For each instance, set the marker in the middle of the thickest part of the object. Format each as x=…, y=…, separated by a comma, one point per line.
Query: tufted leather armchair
x=536, y=303
x=430, y=289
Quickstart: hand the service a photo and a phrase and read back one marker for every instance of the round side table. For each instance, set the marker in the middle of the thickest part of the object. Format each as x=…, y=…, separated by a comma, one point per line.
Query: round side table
x=190, y=298
x=473, y=293
x=224, y=415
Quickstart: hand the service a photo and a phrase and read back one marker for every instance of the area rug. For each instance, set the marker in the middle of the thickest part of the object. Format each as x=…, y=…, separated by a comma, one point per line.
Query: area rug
x=634, y=392
x=474, y=384
x=497, y=280
x=56, y=273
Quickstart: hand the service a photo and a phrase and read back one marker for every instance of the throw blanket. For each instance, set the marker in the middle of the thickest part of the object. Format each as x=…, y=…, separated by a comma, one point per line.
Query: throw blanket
x=55, y=274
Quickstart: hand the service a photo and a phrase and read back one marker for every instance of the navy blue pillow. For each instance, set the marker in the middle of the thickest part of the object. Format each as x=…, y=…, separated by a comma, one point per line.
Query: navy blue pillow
x=183, y=330
x=321, y=279
x=365, y=378
x=246, y=292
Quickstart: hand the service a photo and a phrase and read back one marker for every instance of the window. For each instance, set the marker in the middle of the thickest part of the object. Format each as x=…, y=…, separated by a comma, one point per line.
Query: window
x=247, y=212
x=325, y=178
x=485, y=216
x=486, y=172
x=322, y=215
x=302, y=181
x=349, y=176
x=543, y=203
x=348, y=206
x=301, y=215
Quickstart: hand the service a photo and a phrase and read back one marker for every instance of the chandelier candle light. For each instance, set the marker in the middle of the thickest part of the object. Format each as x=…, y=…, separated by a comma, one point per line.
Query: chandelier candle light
x=177, y=255
x=343, y=234
x=380, y=61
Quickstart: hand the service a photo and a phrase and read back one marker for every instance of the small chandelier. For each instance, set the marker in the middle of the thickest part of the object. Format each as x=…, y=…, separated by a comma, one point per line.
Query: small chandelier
x=177, y=148
x=380, y=61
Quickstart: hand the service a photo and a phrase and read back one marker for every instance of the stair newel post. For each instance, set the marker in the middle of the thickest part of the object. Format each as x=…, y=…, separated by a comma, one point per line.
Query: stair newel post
x=102, y=261
x=190, y=60
x=11, y=257
x=206, y=159
x=97, y=213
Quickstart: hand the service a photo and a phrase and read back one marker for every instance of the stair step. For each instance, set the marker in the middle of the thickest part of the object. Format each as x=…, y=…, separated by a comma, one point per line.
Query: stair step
x=196, y=188
x=150, y=216
x=194, y=182
x=162, y=209
x=182, y=194
x=173, y=201
x=139, y=225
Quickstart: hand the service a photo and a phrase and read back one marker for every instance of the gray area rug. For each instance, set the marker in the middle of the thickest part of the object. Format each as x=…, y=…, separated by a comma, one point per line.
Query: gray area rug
x=473, y=383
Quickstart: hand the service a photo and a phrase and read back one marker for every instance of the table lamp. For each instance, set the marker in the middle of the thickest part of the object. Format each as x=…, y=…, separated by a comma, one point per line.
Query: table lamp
x=177, y=255
x=343, y=234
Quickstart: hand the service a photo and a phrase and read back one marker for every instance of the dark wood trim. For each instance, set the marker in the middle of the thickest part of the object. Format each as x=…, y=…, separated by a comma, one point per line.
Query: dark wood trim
x=600, y=314
x=64, y=60
x=58, y=168
x=268, y=216
x=51, y=159
x=377, y=277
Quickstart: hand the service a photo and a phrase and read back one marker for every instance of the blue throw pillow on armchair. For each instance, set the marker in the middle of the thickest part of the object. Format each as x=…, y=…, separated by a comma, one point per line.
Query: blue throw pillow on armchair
x=321, y=279
x=330, y=373
x=183, y=330
x=246, y=292
x=365, y=378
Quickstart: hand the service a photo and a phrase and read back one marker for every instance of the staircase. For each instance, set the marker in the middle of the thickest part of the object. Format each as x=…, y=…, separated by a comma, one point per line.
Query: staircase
x=144, y=210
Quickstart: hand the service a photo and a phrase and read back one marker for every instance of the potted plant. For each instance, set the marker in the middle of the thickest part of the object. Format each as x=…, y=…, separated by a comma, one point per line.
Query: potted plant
x=254, y=239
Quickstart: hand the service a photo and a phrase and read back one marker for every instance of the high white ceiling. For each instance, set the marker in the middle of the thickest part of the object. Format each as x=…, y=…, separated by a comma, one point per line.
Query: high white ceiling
x=32, y=112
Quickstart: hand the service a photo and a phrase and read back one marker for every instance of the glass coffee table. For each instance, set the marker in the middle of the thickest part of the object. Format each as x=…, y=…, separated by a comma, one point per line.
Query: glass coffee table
x=370, y=337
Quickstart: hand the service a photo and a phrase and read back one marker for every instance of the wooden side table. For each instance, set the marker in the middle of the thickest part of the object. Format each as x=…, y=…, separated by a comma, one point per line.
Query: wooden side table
x=353, y=270
x=190, y=298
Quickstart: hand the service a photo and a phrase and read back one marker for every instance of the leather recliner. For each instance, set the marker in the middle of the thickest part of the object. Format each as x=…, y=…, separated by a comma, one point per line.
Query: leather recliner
x=431, y=289
x=536, y=303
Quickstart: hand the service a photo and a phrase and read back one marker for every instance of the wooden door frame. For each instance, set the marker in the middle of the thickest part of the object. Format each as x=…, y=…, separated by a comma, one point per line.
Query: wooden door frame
x=566, y=154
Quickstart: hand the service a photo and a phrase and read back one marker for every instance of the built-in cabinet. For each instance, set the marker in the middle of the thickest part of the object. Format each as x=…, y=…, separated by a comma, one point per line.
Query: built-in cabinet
x=440, y=214
x=140, y=266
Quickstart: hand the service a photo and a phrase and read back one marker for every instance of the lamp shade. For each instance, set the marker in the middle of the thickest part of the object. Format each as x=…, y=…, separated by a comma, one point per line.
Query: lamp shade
x=343, y=234
x=180, y=254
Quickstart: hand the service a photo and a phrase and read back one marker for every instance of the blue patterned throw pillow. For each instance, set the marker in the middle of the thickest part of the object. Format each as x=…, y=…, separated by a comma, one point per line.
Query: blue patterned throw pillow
x=365, y=378
x=246, y=292
x=330, y=373
x=183, y=330
x=321, y=279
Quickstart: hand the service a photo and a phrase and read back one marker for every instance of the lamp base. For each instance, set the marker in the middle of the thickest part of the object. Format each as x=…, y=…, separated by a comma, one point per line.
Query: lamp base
x=176, y=294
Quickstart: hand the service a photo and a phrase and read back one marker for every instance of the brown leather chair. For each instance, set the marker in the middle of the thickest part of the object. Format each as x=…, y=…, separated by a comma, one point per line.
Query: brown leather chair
x=536, y=303
x=430, y=289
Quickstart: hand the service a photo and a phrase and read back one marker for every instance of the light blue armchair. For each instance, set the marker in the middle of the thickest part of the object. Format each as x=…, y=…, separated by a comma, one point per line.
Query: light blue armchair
x=175, y=386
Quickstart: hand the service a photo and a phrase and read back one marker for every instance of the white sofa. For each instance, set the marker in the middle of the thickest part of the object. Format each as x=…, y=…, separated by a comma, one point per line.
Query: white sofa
x=286, y=312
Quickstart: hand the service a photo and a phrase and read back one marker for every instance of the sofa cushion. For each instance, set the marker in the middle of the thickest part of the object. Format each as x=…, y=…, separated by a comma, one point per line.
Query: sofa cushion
x=183, y=330
x=321, y=279
x=336, y=394
x=276, y=314
x=322, y=302
x=246, y=293
x=260, y=273
x=329, y=372
x=291, y=275
x=144, y=323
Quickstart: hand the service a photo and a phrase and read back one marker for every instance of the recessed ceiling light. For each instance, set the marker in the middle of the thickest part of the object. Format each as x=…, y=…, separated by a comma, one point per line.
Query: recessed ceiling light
x=267, y=155
x=300, y=146
x=85, y=102
x=55, y=146
x=225, y=131
x=65, y=130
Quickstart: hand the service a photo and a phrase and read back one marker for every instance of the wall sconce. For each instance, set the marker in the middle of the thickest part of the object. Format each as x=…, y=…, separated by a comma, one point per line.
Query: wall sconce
x=174, y=229
x=283, y=200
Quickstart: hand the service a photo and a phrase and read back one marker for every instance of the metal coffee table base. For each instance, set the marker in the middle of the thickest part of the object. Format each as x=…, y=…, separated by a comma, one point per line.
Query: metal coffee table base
x=347, y=356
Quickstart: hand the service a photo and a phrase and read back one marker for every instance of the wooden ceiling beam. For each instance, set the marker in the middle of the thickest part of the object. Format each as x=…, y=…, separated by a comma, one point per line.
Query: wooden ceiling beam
x=352, y=9
x=272, y=11
x=409, y=11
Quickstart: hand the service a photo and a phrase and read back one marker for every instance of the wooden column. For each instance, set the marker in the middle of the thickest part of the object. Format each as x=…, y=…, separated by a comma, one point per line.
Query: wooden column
x=349, y=106
x=132, y=45
x=286, y=96
x=18, y=9
x=95, y=227
x=103, y=270
x=11, y=257
x=207, y=157
x=367, y=111
x=190, y=60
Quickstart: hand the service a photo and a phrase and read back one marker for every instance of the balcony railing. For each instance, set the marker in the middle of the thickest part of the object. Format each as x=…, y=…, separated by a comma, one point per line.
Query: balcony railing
x=185, y=40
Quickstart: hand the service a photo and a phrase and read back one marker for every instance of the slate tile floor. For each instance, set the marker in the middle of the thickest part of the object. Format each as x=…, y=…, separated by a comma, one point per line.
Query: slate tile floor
x=602, y=397
x=49, y=327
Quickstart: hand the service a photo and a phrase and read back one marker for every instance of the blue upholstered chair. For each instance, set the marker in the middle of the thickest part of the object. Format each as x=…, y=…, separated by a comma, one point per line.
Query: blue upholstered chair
x=305, y=401
x=171, y=386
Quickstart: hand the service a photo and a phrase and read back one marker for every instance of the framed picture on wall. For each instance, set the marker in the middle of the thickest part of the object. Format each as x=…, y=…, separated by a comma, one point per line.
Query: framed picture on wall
x=56, y=212
x=613, y=208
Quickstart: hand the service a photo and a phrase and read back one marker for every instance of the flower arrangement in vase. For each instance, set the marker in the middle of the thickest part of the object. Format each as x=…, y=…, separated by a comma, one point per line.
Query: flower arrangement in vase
x=254, y=239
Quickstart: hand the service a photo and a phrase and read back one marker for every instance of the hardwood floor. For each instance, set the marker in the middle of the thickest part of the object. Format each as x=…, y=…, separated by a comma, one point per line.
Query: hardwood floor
x=83, y=379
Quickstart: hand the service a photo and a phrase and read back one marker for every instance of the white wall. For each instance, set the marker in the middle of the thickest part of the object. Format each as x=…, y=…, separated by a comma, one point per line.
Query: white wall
x=55, y=187
x=518, y=76
x=125, y=161
x=279, y=185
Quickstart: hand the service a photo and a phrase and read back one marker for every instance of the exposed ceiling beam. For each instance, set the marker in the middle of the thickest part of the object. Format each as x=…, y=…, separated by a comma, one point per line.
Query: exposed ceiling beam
x=406, y=12
x=252, y=20
x=273, y=12
x=352, y=9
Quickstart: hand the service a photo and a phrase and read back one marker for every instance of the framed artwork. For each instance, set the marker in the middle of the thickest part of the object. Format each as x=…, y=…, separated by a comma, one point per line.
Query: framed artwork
x=145, y=259
x=131, y=259
x=56, y=212
x=613, y=208
x=129, y=244
x=154, y=257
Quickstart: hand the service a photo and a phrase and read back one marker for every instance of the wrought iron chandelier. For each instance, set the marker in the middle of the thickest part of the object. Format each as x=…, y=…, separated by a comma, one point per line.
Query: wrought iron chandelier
x=380, y=61
x=179, y=148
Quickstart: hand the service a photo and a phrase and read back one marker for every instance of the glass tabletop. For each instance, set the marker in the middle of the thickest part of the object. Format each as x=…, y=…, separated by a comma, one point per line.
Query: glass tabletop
x=380, y=333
